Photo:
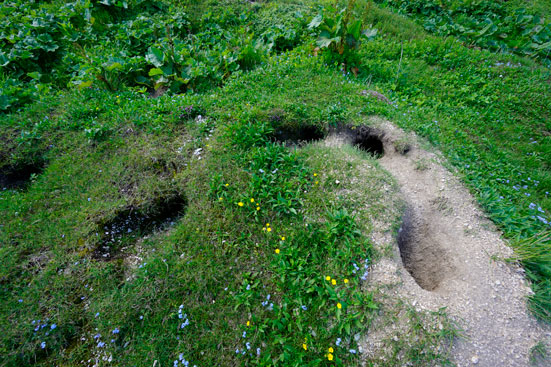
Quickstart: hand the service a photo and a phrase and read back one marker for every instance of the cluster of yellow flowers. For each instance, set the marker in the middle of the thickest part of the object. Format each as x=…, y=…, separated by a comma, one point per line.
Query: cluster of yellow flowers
x=330, y=353
x=334, y=281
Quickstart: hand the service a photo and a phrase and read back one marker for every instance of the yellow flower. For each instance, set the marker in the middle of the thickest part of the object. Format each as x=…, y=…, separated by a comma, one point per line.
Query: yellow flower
x=240, y=203
x=346, y=281
x=277, y=251
x=334, y=282
x=330, y=350
x=328, y=278
x=220, y=199
x=283, y=238
x=227, y=185
x=317, y=182
x=330, y=357
x=269, y=229
x=252, y=200
x=305, y=346
x=315, y=174
x=248, y=323
x=267, y=224
x=339, y=306
x=257, y=208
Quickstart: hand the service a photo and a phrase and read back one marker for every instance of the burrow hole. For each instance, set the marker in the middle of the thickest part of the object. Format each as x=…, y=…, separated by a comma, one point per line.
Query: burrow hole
x=133, y=223
x=368, y=140
x=298, y=135
x=19, y=177
x=421, y=254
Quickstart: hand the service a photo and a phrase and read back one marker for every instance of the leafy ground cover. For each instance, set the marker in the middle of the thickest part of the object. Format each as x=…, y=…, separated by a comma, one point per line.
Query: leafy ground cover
x=229, y=279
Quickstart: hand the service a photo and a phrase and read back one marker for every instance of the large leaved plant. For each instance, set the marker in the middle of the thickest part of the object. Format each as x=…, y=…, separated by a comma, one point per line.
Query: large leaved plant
x=340, y=33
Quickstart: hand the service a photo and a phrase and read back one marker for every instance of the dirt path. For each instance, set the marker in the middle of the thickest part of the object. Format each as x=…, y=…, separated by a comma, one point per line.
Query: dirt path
x=449, y=257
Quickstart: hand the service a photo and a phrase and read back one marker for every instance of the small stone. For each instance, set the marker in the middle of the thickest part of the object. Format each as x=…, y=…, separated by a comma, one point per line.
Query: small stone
x=474, y=359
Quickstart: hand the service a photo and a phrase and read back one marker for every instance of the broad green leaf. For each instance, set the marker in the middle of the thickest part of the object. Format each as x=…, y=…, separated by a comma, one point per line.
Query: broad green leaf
x=155, y=56
x=114, y=66
x=370, y=33
x=355, y=28
x=81, y=84
x=316, y=21
x=155, y=71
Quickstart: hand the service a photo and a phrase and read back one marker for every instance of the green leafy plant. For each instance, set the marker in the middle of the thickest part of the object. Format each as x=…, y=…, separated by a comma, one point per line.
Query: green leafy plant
x=340, y=33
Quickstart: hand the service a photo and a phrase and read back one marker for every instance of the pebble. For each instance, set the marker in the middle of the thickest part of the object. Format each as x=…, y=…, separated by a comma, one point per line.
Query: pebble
x=474, y=359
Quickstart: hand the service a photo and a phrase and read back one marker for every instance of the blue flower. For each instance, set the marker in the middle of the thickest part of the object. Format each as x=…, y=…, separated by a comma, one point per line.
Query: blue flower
x=257, y=351
x=43, y=345
x=244, y=334
x=339, y=340
x=352, y=351
x=101, y=344
x=304, y=307
x=97, y=314
x=53, y=326
x=116, y=331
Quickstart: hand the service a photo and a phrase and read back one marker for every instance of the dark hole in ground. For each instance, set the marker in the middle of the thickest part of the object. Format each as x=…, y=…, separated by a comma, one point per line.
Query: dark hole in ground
x=421, y=254
x=298, y=135
x=132, y=223
x=18, y=177
x=368, y=140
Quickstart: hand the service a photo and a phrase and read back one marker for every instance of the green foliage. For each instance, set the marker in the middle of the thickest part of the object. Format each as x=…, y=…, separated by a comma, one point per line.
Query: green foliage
x=488, y=24
x=340, y=33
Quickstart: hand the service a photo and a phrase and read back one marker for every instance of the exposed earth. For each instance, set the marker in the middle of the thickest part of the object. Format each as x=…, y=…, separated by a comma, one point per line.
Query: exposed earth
x=448, y=255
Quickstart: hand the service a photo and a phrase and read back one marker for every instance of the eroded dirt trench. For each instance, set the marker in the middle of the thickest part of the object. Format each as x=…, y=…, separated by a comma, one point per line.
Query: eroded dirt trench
x=447, y=254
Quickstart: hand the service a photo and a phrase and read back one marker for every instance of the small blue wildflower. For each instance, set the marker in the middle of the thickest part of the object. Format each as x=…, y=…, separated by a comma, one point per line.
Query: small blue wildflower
x=542, y=219
x=112, y=340
x=248, y=286
x=244, y=334
x=101, y=344
x=237, y=351
x=181, y=356
x=53, y=326
x=97, y=314
x=43, y=345
x=248, y=345
x=352, y=351
x=97, y=336
x=175, y=363
x=304, y=307
x=20, y=300
x=257, y=351
x=141, y=317
x=116, y=330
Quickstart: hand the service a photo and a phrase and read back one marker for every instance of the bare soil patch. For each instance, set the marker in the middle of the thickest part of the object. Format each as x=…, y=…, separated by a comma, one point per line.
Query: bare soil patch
x=448, y=255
